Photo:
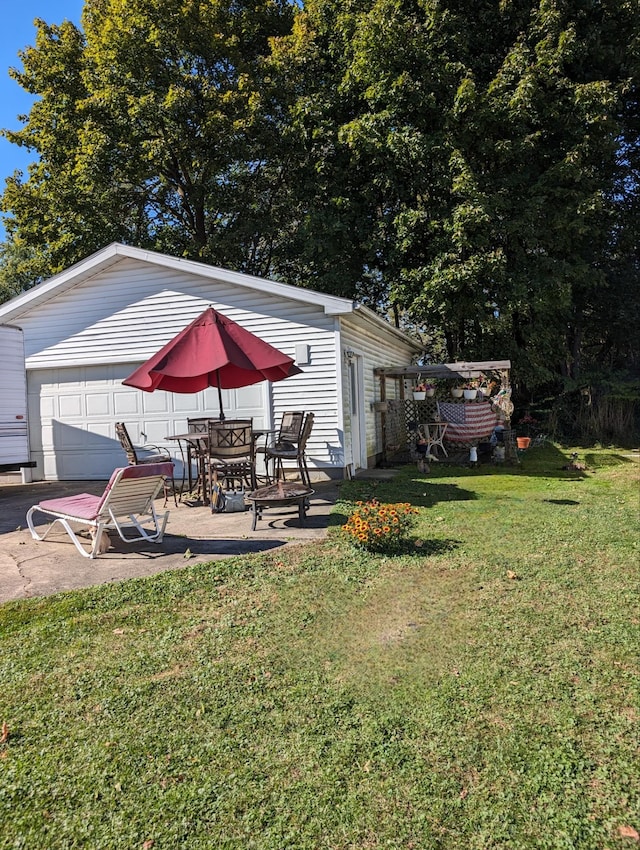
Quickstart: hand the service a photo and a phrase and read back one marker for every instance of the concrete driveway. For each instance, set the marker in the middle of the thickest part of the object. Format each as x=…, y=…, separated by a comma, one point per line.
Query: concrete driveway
x=30, y=568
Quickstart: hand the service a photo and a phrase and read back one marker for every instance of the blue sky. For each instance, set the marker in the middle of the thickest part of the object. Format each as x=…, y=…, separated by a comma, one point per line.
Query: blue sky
x=18, y=32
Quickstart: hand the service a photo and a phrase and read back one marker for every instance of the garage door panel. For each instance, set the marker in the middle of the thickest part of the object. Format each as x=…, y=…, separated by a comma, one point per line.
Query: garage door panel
x=83, y=438
x=98, y=404
x=126, y=403
x=47, y=406
x=187, y=403
x=101, y=429
x=70, y=405
x=155, y=431
x=158, y=402
x=79, y=466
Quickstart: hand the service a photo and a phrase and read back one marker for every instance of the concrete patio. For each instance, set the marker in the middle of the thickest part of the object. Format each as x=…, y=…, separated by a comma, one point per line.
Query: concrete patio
x=31, y=568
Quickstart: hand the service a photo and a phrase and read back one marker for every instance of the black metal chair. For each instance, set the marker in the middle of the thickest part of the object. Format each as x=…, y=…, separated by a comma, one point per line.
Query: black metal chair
x=294, y=451
x=142, y=455
x=197, y=449
x=286, y=437
x=230, y=453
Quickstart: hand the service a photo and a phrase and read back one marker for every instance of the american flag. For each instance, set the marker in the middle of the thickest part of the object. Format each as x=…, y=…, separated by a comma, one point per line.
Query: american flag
x=468, y=423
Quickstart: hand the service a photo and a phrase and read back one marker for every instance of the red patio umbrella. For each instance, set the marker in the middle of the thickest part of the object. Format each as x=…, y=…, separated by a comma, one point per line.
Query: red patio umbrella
x=213, y=351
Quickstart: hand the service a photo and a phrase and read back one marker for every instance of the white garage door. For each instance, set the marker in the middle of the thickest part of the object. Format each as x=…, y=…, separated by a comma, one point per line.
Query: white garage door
x=73, y=411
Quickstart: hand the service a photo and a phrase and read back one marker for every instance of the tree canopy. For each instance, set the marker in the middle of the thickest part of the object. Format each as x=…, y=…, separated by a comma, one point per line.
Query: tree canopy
x=469, y=167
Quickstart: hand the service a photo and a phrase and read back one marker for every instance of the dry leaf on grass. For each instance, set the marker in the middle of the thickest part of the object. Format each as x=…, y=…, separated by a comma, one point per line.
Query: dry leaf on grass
x=629, y=832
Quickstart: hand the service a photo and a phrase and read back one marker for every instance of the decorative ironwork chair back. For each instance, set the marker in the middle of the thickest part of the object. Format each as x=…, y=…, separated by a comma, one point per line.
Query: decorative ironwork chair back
x=294, y=452
x=291, y=426
x=126, y=443
x=200, y=425
x=230, y=439
x=231, y=457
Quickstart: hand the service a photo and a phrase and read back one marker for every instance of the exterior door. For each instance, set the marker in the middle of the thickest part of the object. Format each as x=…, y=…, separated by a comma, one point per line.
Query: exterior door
x=356, y=412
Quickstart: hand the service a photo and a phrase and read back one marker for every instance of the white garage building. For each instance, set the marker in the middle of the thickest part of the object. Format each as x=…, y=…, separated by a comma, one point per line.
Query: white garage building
x=88, y=327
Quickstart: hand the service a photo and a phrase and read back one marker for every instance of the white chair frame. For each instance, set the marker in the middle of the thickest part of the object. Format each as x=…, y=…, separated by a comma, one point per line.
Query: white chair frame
x=129, y=493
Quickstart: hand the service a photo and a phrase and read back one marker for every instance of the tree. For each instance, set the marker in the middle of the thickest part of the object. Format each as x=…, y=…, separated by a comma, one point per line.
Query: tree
x=153, y=127
x=468, y=167
x=489, y=133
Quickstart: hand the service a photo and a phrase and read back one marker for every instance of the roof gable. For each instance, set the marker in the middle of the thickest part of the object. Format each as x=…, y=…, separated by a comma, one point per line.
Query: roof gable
x=113, y=253
x=116, y=252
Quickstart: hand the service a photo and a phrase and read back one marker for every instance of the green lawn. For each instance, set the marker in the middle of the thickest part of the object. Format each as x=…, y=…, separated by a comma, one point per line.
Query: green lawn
x=480, y=691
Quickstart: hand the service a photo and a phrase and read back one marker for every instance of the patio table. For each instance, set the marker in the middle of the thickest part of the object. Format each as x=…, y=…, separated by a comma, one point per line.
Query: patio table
x=198, y=441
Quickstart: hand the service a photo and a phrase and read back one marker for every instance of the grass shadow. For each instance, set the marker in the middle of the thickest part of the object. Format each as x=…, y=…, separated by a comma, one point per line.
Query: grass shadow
x=416, y=491
x=418, y=547
x=605, y=460
x=561, y=501
x=547, y=461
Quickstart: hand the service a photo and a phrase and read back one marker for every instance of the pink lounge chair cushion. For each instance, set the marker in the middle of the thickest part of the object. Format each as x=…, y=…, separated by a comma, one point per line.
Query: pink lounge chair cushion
x=82, y=506
x=86, y=506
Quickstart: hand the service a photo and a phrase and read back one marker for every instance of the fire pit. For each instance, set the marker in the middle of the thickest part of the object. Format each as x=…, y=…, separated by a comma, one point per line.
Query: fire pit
x=279, y=495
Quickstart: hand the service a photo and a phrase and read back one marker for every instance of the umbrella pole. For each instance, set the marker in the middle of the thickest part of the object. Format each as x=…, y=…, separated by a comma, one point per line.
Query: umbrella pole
x=221, y=417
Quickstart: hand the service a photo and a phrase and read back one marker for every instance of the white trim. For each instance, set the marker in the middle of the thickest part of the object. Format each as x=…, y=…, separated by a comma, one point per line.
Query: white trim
x=340, y=379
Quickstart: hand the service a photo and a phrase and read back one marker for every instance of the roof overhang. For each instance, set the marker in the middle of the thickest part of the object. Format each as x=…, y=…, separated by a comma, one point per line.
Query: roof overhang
x=462, y=369
x=372, y=318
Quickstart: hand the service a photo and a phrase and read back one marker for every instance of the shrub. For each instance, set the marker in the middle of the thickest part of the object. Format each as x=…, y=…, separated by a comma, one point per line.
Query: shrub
x=379, y=527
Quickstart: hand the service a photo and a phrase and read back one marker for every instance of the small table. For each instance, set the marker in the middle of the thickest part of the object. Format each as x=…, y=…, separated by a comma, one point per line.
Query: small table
x=433, y=433
x=278, y=495
x=197, y=449
x=196, y=443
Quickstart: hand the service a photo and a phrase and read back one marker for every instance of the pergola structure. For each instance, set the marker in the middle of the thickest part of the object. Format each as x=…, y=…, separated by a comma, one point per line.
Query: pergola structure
x=399, y=412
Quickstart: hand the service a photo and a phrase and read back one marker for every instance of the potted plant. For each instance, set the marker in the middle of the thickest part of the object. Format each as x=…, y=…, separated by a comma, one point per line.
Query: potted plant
x=430, y=390
x=456, y=392
x=487, y=386
x=527, y=427
x=420, y=391
x=470, y=391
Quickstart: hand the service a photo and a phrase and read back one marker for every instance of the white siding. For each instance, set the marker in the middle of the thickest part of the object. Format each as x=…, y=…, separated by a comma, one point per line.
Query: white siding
x=82, y=338
x=121, y=317
x=14, y=437
x=378, y=350
x=129, y=311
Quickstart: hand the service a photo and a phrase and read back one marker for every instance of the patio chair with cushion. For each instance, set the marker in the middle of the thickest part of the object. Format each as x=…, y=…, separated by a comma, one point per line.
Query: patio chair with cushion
x=286, y=436
x=137, y=456
x=230, y=454
x=126, y=503
x=292, y=451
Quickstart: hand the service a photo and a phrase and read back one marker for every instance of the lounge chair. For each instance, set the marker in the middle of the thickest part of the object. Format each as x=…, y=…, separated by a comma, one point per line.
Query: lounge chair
x=127, y=503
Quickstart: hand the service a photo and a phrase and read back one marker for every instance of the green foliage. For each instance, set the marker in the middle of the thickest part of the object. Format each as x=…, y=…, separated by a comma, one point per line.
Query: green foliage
x=468, y=168
x=380, y=527
x=151, y=126
x=496, y=197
